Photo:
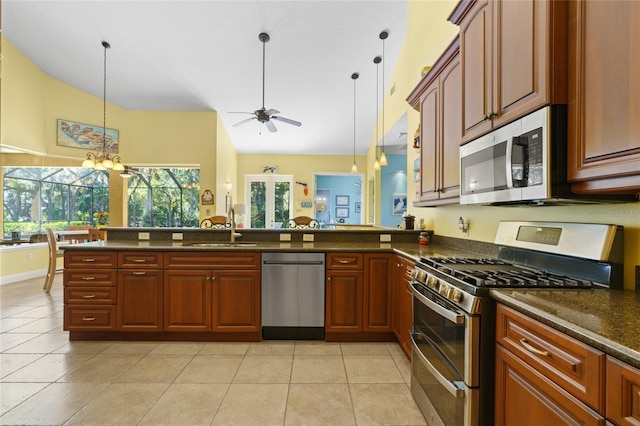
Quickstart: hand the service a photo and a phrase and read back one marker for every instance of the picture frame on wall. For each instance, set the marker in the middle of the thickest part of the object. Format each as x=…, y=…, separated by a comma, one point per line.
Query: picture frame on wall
x=342, y=212
x=86, y=136
x=342, y=200
x=399, y=204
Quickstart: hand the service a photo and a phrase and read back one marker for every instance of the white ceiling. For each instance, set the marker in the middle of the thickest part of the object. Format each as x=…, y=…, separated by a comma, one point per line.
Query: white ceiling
x=205, y=55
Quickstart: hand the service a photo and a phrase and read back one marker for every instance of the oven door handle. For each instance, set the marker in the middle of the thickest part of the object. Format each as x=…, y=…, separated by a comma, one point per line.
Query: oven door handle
x=452, y=316
x=452, y=387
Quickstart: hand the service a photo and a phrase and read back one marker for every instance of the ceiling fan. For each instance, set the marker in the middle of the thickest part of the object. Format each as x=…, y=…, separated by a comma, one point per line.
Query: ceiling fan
x=264, y=115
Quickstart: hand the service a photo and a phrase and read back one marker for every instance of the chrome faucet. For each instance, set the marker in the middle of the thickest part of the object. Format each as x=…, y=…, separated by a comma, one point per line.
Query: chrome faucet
x=231, y=217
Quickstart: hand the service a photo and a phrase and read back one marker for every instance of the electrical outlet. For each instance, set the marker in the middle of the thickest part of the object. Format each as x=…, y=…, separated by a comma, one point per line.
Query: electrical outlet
x=29, y=257
x=285, y=237
x=307, y=237
x=177, y=236
x=143, y=235
x=385, y=238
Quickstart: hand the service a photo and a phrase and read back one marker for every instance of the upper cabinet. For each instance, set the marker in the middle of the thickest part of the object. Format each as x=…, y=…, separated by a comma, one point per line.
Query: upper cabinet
x=513, y=60
x=438, y=97
x=604, y=97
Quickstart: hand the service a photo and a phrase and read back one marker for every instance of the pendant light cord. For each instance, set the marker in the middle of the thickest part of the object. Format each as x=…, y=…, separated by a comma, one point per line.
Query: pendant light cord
x=354, y=76
x=264, y=45
x=384, y=59
x=104, y=99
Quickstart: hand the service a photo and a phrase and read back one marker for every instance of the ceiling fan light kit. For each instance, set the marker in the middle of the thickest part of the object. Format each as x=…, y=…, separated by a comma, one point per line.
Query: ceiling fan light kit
x=263, y=115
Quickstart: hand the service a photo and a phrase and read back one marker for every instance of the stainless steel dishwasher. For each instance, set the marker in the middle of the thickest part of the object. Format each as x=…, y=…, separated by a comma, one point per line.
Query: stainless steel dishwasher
x=293, y=296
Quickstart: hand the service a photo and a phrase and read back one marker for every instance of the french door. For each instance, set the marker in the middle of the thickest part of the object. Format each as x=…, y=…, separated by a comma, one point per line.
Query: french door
x=269, y=198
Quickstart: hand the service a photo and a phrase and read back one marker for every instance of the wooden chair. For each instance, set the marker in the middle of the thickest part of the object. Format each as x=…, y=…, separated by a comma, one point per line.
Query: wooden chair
x=303, y=222
x=38, y=238
x=215, y=222
x=96, y=235
x=54, y=254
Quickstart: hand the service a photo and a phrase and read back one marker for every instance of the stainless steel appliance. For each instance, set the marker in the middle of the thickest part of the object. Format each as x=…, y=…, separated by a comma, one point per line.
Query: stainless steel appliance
x=522, y=161
x=293, y=296
x=453, y=315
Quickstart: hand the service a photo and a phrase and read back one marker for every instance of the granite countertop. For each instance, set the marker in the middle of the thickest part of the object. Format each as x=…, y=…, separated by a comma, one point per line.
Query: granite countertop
x=608, y=320
x=410, y=250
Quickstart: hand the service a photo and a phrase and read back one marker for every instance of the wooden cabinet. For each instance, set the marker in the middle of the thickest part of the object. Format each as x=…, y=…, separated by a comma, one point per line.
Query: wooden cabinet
x=140, y=291
x=622, y=393
x=543, y=376
x=90, y=291
x=438, y=98
x=344, y=292
x=402, y=301
x=604, y=97
x=212, y=291
x=377, y=292
x=513, y=60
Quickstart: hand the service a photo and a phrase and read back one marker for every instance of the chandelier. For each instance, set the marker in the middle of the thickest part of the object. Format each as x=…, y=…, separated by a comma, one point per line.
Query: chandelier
x=102, y=159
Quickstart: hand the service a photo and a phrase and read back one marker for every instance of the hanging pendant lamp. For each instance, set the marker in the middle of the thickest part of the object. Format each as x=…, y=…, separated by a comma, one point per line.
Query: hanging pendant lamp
x=354, y=168
x=383, y=156
x=102, y=159
x=377, y=60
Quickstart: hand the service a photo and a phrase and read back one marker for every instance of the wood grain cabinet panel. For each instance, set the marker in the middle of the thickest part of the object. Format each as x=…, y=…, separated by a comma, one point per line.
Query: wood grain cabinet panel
x=236, y=301
x=187, y=300
x=623, y=393
x=377, y=292
x=402, y=302
x=344, y=300
x=140, y=260
x=345, y=261
x=90, y=295
x=90, y=259
x=140, y=300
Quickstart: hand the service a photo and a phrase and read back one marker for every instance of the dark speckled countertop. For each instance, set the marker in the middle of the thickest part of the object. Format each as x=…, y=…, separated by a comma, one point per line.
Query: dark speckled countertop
x=608, y=320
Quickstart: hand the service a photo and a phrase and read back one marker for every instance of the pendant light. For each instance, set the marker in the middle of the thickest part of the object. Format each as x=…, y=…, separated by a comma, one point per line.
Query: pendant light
x=354, y=168
x=383, y=156
x=102, y=159
x=377, y=60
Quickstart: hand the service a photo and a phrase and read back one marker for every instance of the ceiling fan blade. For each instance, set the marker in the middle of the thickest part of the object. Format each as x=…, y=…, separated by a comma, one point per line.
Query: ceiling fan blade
x=240, y=112
x=270, y=126
x=243, y=121
x=287, y=120
x=272, y=111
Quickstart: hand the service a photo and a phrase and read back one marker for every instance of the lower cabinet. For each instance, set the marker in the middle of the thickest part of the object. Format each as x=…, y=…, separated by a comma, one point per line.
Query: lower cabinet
x=236, y=301
x=622, y=393
x=140, y=300
x=402, y=302
x=187, y=300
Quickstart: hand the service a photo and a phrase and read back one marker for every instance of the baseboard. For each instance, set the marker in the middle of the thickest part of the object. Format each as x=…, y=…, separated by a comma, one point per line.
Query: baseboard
x=9, y=279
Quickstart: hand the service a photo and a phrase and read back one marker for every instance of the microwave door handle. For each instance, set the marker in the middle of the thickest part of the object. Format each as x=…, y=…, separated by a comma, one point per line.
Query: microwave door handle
x=452, y=316
x=451, y=387
x=509, y=165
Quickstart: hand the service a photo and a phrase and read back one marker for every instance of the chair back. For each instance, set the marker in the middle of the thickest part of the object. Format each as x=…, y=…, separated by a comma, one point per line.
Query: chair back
x=38, y=238
x=215, y=222
x=51, y=239
x=304, y=222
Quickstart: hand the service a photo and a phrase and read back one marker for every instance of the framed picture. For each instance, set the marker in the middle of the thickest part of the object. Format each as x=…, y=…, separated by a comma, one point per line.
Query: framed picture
x=342, y=212
x=207, y=197
x=399, y=204
x=86, y=136
x=358, y=207
x=342, y=200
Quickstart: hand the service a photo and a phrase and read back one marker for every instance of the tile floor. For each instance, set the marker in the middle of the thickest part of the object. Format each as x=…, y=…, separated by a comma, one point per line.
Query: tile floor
x=45, y=379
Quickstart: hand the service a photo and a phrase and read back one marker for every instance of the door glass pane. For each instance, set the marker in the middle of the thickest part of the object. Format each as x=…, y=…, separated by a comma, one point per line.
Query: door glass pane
x=258, y=198
x=281, y=207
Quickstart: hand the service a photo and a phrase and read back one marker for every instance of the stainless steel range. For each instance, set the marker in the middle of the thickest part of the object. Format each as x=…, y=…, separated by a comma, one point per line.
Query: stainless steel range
x=453, y=315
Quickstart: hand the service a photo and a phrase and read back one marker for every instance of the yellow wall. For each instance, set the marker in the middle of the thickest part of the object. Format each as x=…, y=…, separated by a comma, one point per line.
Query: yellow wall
x=17, y=265
x=226, y=170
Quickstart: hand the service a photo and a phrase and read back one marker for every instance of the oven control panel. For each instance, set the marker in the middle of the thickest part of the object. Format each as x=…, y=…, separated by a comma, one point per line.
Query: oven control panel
x=444, y=289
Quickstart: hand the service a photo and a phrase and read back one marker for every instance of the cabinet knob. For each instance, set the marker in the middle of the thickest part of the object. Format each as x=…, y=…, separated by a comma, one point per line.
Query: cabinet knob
x=328, y=278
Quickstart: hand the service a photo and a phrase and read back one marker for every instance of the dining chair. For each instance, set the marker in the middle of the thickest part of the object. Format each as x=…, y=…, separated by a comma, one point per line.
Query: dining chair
x=215, y=222
x=304, y=222
x=54, y=254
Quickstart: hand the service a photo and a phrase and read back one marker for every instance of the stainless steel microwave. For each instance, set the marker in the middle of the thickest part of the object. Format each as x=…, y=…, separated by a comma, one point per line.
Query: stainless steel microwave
x=515, y=163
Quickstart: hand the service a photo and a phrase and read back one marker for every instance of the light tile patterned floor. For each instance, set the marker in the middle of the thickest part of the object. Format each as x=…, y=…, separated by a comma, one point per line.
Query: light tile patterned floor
x=45, y=379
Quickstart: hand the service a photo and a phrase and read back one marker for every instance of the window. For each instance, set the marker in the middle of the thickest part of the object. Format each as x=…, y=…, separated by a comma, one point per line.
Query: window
x=270, y=200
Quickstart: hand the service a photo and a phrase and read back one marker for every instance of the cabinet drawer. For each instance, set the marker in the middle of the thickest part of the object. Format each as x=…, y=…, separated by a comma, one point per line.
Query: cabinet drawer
x=89, y=277
x=576, y=367
x=89, y=318
x=623, y=392
x=140, y=259
x=89, y=259
x=345, y=260
x=204, y=260
x=90, y=295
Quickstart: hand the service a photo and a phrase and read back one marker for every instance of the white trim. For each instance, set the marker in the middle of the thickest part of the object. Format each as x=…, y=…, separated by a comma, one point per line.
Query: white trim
x=9, y=279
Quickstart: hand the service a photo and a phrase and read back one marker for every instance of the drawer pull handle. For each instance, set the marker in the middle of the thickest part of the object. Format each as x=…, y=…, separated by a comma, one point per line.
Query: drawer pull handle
x=139, y=273
x=88, y=318
x=88, y=296
x=345, y=261
x=139, y=260
x=530, y=348
x=88, y=278
x=88, y=259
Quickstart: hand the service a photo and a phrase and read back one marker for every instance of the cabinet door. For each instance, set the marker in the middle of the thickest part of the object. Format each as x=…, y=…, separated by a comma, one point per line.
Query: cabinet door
x=139, y=301
x=475, y=45
x=343, y=308
x=396, y=301
x=236, y=301
x=377, y=292
x=451, y=130
x=523, y=397
x=429, y=142
x=604, y=96
x=187, y=300
x=622, y=393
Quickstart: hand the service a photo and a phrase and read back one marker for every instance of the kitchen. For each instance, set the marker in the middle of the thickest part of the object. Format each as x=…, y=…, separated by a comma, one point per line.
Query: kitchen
x=482, y=220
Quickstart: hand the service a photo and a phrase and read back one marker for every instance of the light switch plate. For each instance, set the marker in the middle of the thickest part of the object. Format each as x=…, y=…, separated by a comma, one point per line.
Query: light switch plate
x=285, y=237
x=385, y=238
x=177, y=236
x=143, y=235
x=307, y=237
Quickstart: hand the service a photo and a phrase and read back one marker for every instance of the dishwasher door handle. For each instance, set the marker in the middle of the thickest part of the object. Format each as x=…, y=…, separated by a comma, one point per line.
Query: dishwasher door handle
x=293, y=262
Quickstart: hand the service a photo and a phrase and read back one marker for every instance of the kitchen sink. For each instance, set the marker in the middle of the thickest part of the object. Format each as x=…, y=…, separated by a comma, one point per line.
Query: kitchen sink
x=219, y=244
